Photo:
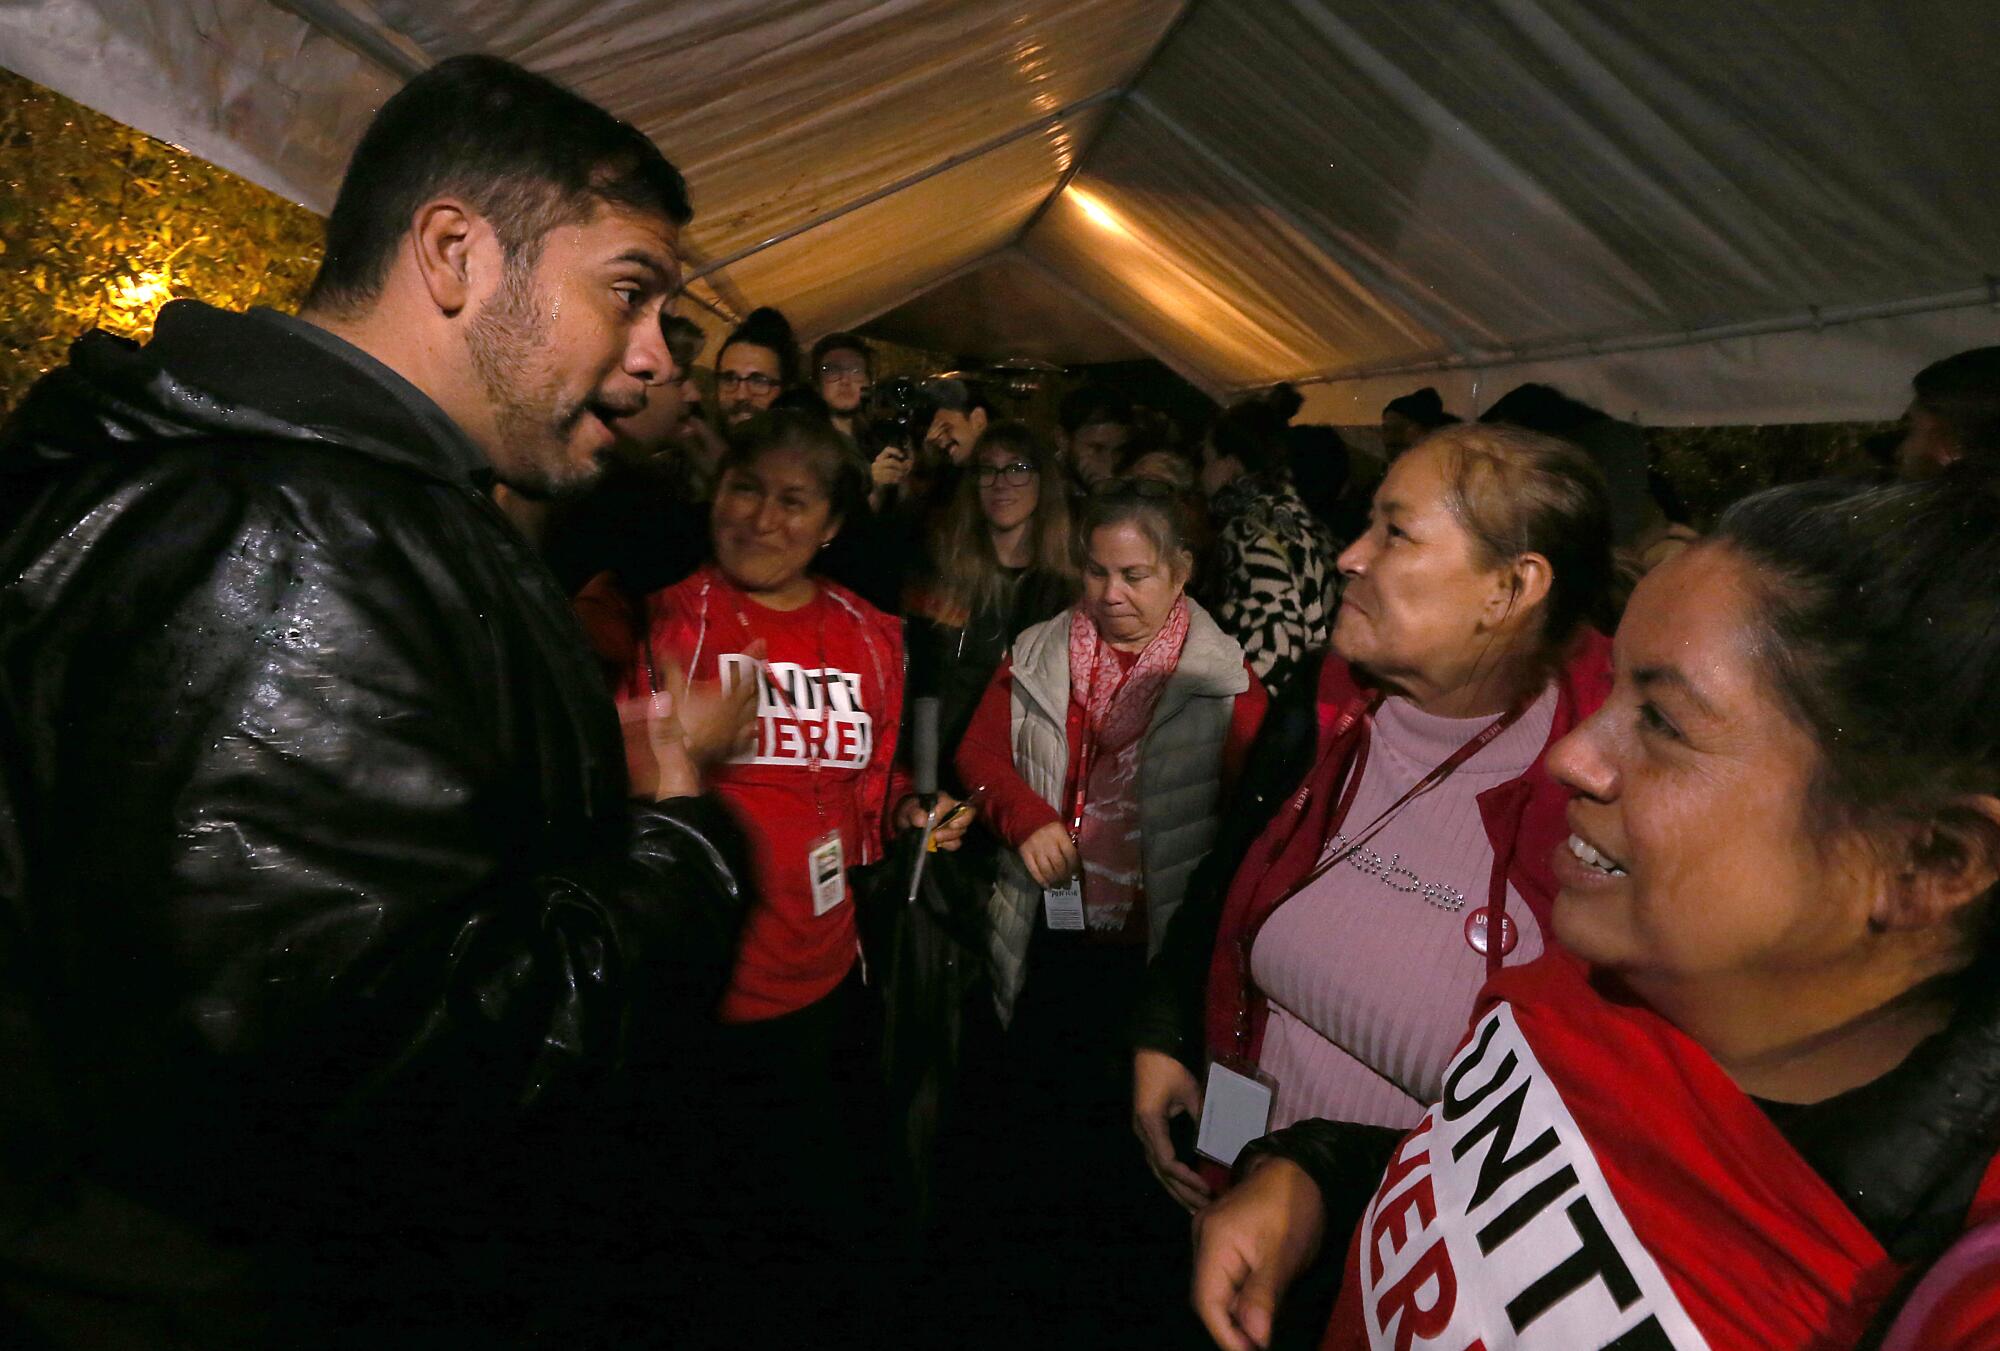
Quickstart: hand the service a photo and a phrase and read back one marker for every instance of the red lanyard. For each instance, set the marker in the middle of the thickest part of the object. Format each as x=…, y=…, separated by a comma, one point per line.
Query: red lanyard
x=1450, y=765
x=1358, y=709
x=1084, y=759
x=1086, y=756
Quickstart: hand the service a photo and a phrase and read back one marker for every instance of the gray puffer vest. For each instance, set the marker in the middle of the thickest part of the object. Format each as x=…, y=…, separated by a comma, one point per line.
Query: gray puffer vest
x=1180, y=778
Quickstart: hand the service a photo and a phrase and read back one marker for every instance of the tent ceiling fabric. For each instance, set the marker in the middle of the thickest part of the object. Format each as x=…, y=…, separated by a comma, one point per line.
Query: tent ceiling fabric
x=1015, y=310
x=1644, y=202
x=852, y=268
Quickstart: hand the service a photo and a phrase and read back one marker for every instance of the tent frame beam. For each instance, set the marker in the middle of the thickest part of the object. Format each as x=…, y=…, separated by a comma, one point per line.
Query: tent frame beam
x=1125, y=91
x=355, y=24
x=1813, y=320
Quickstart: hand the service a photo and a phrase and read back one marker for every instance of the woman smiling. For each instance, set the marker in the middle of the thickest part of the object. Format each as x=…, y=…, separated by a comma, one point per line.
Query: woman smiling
x=812, y=792
x=1775, y=1094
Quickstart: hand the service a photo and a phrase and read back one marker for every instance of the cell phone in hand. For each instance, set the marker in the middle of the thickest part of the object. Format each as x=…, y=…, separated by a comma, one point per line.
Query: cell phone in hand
x=1181, y=1130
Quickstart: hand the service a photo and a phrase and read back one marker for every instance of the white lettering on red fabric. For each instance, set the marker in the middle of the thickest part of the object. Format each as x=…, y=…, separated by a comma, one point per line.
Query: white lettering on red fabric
x=1494, y=1227
x=803, y=712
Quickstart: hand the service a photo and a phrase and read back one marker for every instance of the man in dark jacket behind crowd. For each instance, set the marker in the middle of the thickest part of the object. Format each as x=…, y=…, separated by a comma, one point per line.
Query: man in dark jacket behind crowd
x=328, y=921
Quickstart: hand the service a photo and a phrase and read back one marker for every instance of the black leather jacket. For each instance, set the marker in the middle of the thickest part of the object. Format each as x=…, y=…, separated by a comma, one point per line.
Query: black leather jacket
x=322, y=904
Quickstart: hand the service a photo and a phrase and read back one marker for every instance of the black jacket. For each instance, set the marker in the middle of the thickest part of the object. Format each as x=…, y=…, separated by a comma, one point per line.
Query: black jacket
x=324, y=915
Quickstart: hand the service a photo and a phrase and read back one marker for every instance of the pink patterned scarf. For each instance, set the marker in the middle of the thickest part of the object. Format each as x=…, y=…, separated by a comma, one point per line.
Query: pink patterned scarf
x=1118, y=703
x=1118, y=706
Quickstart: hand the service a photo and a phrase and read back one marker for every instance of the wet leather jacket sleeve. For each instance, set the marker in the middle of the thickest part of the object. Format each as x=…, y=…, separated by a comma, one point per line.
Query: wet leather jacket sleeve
x=315, y=816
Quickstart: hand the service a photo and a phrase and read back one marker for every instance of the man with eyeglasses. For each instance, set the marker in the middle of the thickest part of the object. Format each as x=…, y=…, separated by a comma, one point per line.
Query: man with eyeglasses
x=759, y=362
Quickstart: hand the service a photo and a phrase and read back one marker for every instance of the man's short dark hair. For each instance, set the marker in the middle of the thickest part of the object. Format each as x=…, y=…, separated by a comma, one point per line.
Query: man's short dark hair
x=1963, y=392
x=684, y=340
x=841, y=342
x=526, y=153
x=1090, y=405
x=959, y=396
x=1253, y=432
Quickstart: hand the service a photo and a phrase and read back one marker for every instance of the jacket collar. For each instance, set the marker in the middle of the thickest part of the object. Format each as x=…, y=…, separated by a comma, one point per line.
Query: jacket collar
x=211, y=375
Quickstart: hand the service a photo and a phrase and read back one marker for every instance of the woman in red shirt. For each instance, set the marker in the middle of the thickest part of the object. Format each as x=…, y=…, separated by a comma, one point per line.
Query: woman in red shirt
x=815, y=790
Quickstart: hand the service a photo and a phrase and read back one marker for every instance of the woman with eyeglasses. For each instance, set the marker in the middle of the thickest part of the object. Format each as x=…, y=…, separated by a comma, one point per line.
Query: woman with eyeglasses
x=1001, y=554
x=1103, y=749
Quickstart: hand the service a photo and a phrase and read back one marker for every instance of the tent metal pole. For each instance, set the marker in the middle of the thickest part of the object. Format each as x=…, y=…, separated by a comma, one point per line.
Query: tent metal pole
x=1132, y=335
x=1040, y=124
x=717, y=310
x=1813, y=319
x=1372, y=277
x=358, y=26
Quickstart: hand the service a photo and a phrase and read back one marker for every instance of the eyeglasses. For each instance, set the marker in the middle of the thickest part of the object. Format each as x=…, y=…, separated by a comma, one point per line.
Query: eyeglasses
x=833, y=372
x=757, y=381
x=1012, y=475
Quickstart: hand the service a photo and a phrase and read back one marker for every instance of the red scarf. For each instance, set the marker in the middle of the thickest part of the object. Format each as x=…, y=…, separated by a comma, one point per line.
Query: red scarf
x=1580, y=1129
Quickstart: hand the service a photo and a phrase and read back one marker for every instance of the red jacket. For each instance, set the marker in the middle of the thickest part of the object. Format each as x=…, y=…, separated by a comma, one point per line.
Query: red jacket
x=1524, y=819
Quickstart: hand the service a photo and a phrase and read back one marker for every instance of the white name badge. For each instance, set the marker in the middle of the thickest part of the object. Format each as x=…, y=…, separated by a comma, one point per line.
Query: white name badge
x=828, y=871
x=1235, y=1109
x=1063, y=906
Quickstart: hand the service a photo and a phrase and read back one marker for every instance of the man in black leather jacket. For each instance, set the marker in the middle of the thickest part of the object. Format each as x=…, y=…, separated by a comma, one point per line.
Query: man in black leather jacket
x=333, y=953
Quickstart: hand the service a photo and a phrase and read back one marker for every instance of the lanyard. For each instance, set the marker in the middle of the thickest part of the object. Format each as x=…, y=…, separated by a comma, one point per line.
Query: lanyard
x=1358, y=710
x=1450, y=765
x=1085, y=759
x=1087, y=755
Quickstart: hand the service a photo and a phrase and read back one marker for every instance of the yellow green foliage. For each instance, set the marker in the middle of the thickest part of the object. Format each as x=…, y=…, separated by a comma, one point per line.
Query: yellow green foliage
x=100, y=225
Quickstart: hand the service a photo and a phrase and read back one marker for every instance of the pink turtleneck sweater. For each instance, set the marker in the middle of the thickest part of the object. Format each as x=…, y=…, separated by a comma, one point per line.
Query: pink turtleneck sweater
x=1368, y=971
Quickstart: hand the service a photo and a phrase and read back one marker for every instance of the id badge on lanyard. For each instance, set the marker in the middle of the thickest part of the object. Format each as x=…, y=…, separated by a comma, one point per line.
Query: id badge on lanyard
x=1235, y=1109
x=1062, y=907
x=826, y=868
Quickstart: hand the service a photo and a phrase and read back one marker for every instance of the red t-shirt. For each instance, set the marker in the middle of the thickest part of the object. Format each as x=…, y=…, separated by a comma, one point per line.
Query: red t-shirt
x=1592, y=1178
x=828, y=710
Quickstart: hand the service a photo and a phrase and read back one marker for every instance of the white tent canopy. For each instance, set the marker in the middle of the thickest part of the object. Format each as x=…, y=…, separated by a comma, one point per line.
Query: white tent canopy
x=1704, y=211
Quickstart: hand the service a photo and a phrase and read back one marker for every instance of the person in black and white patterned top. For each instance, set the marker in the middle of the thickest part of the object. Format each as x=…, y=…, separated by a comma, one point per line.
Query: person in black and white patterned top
x=1272, y=584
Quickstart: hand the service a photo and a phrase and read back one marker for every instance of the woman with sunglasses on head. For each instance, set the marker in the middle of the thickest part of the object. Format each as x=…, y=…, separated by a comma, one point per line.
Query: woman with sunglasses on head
x=1766, y=1097
x=1391, y=849
x=1103, y=749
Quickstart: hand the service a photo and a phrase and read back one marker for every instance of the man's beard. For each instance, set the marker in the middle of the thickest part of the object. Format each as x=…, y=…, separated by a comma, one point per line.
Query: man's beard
x=531, y=423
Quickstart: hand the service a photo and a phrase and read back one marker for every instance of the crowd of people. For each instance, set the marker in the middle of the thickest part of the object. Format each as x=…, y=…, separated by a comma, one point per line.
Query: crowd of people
x=503, y=844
